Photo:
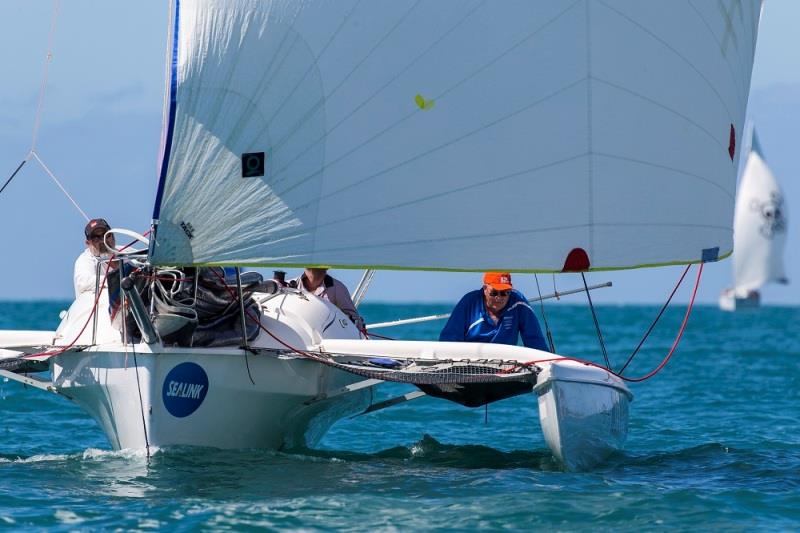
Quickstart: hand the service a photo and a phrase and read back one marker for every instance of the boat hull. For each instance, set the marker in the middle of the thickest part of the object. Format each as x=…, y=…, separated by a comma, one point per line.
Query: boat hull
x=221, y=400
x=729, y=301
x=583, y=412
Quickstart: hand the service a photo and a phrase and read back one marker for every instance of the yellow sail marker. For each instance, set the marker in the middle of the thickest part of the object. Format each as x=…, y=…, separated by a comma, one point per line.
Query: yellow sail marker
x=423, y=103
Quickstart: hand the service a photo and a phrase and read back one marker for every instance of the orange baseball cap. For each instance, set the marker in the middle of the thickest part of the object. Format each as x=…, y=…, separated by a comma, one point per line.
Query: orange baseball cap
x=500, y=281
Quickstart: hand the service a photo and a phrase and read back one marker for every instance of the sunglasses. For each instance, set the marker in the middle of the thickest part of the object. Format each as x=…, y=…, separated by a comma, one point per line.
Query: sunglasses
x=96, y=237
x=499, y=294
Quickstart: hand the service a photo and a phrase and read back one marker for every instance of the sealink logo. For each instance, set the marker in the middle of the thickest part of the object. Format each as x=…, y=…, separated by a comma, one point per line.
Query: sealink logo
x=185, y=388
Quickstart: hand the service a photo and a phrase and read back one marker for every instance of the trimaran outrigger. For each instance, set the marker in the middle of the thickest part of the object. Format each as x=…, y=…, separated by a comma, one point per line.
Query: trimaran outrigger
x=371, y=135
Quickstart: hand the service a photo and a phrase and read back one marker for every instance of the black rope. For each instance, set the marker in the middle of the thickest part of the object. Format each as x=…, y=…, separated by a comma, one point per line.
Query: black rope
x=247, y=350
x=12, y=176
x=141, y=401
x=596, y=323
x=544, y=317
x=653, y=325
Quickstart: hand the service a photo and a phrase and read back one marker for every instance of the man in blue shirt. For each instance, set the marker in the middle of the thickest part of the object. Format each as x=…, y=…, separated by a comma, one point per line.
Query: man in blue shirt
x=495, y=314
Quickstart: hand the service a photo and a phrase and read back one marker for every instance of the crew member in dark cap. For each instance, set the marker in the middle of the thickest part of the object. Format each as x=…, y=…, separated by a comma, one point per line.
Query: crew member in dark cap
x=97, y=246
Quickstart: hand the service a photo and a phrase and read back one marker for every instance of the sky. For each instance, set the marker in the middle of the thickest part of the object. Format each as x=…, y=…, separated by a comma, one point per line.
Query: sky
x=100, y=129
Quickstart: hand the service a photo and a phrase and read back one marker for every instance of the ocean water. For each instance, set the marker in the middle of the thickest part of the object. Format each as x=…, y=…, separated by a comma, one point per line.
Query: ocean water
x=714, y=443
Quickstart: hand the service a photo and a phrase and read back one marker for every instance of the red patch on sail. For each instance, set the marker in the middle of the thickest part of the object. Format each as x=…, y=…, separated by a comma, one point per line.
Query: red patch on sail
x=732, y=143
x=577, y=261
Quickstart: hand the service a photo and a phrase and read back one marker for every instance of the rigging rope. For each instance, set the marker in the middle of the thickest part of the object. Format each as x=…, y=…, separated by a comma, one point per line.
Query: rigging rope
x=655, y=321
x=14, y=173
x=596, y=323
x=60, y=186
x=663, y=362
x=678, y=336
x=38, y=117
x=43, y=86
x=544, y=317
x=91, y=315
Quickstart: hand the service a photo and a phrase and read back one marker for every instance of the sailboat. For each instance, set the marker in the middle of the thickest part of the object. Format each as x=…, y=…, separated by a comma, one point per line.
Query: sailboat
x=374, y=135
x=759, y=233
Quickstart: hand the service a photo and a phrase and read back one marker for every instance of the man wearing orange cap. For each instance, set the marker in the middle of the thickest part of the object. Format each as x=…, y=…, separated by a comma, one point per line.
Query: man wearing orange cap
x=495, y=313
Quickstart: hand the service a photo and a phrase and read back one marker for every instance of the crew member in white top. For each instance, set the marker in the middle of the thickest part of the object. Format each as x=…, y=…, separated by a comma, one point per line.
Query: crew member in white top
x=85, y=277
x=318, y=282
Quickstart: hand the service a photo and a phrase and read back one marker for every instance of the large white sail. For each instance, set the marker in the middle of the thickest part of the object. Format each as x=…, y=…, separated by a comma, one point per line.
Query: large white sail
x=760, y=224
x=450, y=134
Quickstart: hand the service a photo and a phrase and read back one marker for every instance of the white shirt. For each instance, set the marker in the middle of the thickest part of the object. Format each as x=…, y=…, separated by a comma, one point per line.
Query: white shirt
x=85, y=276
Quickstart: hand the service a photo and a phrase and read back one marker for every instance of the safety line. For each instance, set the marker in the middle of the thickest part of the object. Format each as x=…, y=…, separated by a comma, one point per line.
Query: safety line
x=43, y=86
x=59, y=185
x=15, y=173
x=653, y=325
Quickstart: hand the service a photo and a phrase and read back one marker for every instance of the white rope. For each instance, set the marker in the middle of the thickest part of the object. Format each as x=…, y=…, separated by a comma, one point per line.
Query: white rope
x=43, y=87
x=59, y=185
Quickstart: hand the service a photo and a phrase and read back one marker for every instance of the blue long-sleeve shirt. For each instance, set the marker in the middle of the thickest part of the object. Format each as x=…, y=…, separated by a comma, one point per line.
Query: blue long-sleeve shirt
x=470, y=322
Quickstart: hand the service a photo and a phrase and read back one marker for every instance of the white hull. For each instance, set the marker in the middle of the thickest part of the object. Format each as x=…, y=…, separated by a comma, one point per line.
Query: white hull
x=729, y=301
x=583, y=412
x=153, y=395
x=283, y=405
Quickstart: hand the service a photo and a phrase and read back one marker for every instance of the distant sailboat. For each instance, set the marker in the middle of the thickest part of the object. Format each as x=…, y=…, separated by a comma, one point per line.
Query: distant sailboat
x=759, y=234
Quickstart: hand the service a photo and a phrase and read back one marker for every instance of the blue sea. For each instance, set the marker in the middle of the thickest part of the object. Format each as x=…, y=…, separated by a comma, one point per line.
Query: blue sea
x=714, y=443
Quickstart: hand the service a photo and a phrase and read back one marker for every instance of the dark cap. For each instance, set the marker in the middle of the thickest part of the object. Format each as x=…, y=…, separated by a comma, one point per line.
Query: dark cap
x=94, y=224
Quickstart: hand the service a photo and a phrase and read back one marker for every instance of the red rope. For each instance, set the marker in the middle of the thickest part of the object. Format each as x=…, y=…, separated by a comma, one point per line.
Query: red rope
x=652, y=372
x=91, y=315
x=235, y=297
x=53, y=353
x=677, y=338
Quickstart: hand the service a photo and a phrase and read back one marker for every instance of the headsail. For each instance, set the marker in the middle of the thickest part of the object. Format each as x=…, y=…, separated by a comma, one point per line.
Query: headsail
x=760, y=225
x=464, y=135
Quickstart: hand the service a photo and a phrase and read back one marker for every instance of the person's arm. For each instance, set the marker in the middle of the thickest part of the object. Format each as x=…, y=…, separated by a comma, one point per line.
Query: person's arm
x=85, y=275
x=530, y=330
x=456, y=327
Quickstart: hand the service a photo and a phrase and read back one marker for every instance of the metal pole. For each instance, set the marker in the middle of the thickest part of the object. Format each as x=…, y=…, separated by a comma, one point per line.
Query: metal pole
x=363, y=285
x=241, y=307
x=447, y=315
x=97, y=301
x=139, y=312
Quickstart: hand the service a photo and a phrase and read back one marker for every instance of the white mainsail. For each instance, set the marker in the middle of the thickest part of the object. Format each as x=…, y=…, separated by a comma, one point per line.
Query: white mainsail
x=760, y=223
x=465, y=135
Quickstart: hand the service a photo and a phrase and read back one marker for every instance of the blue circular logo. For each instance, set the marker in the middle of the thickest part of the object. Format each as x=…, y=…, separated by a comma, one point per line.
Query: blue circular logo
x=185, y=388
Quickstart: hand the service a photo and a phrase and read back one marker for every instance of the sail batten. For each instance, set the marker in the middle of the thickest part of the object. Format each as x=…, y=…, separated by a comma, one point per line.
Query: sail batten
x=452, y=135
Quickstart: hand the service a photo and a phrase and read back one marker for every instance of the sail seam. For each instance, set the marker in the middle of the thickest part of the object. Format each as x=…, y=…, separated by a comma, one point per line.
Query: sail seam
x=319, y=103
x=677, y=53
x=728, y=193
x=425, y=153
x=497, y=234
x=479, y=183
x=589, y=132
x=369, y=99
x=314, y=64
x=379, y=134
x=737, y=82
x=665, y=108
